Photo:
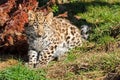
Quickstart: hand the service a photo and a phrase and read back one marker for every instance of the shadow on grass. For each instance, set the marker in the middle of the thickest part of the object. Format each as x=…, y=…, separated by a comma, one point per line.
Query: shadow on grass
x=80, y=7
x=18, y=51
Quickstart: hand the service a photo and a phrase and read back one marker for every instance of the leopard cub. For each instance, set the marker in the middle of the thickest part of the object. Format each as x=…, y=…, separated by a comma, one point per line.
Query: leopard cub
x=49, y=37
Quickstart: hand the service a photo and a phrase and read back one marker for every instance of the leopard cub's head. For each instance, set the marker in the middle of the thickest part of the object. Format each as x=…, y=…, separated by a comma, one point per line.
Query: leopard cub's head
x=36, y=20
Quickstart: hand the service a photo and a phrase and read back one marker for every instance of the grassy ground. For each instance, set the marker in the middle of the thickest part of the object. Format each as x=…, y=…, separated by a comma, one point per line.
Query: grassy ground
x=80, y=63
x=75, y=65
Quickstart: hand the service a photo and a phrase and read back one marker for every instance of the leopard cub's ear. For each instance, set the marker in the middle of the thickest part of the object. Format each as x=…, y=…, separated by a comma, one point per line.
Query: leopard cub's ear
x=31, y=15
x=49, y=17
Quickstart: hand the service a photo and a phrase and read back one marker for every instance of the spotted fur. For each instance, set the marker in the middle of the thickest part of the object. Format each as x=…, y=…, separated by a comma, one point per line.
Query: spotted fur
x=49, y=37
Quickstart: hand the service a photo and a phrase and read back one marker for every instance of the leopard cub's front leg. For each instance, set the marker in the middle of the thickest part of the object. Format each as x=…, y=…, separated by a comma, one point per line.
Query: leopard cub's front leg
x=46, y=55
x=32, y=58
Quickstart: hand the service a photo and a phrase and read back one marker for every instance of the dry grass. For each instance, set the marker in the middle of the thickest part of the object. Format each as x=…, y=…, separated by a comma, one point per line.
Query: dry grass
x=77, y=65
x=8, y=63
x=86, y=66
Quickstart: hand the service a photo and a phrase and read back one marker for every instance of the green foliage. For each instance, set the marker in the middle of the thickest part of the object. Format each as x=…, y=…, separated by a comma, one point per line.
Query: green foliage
x=20, y=72
x=55, y=8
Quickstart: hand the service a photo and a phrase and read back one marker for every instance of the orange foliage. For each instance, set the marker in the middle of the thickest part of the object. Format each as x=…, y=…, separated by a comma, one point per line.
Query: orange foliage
x=13, y=19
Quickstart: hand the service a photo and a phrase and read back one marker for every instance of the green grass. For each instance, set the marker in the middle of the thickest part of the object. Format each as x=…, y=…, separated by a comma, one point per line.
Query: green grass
x=71, y=57
x=20, y=72
x=104, y=16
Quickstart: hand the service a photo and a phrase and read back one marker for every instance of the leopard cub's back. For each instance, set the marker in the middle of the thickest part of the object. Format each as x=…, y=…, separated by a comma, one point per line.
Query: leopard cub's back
x=69, y=33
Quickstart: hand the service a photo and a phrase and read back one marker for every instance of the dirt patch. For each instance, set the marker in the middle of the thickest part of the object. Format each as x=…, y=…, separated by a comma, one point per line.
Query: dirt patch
x=7, y=63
